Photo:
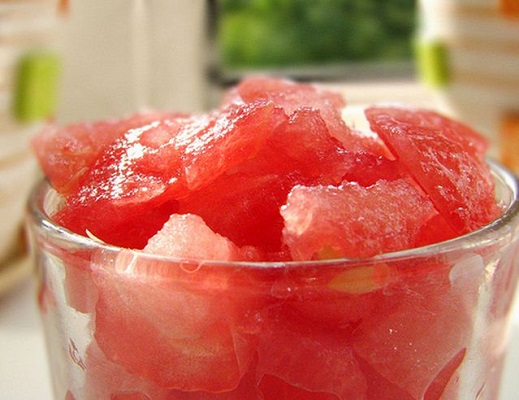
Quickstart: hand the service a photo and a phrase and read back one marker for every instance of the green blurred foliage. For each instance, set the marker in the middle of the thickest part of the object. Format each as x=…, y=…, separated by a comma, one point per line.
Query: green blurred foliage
x=263, y=33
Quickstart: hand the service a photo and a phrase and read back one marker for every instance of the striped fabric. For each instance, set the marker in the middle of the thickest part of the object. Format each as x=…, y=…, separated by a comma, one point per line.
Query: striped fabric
x=468, y=52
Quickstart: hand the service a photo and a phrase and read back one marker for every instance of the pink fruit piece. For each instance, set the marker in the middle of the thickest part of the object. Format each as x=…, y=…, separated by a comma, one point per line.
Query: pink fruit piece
x=273, y=388
x=305, y=361
x=129, y=226
x=133, y=187
x=293, y=96
x=353, y=221
x=189, y=314
x=445, y=158
x=175, y=325
x=435, y=230
x=80, y=290
x=105, y=379
x=380, y=388
x=66, y=154
x=217, y=142
x=119, y=197
x=336, y=298
x=245, y=198
x=440, y=385
x=419, y=343
x=243, y=203
x=187, y=237
x=367, y=168
x=471, y=140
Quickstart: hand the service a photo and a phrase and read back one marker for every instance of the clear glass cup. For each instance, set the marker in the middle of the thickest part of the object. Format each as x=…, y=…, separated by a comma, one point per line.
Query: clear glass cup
x=428, y=323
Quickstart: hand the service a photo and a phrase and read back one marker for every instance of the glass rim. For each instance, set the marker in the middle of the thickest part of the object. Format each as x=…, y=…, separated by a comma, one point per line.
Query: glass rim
x=37, y=216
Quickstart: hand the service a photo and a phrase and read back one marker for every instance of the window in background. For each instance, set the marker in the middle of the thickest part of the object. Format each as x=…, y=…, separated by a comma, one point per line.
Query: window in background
x=308, y=39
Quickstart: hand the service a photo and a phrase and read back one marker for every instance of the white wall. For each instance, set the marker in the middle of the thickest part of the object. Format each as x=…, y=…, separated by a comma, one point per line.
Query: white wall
x=123, y=55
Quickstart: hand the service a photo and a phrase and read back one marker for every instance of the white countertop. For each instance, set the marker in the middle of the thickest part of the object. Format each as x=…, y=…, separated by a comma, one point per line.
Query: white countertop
x=24, y=374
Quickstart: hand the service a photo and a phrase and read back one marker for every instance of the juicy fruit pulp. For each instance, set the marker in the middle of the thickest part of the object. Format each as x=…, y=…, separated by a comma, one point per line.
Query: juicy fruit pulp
x=236, y=166
x=274, y=174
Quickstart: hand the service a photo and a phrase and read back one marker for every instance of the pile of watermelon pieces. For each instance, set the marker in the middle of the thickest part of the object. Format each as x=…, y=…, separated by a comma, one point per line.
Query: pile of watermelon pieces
x=274, y=173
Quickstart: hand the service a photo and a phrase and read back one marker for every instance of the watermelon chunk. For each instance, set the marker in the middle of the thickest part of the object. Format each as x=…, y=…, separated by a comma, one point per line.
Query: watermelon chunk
x=319, y=363
x=445, y=158
x=337, y=298
x=176, y=326
x=353, y=221
x=187, y=237
x=273, y=388
x=273, y=174
x=133, y=187
x=80, y=290
x=225, y=138
x=108, y=380
x=420, y=341
x=243, y=203
x=471, y=140
x=293, y=96
x=369, y=168
x=380, y=388
x=289, y=94
x=105, y=379
x=66, y=154
x=191, y=323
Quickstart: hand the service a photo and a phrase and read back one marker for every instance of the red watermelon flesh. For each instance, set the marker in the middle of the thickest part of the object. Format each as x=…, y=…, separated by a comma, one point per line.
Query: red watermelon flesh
x=444, y=160
x=194, y=322
x=318, y=362
x=416, y=344
x=246, y=199
x=133, y=187
x=130, y=226
x=66, y=154
x=105, y=379
x=273, y=388
x=108, y=380
x=80, y=291
x=293, y=96
x=429, y=119
x=211, y=187
x=186, y=236
x=337, y=298
x=176, y=326
x=123, y=188
x=243, y=203
x=224, y=139
x=368, y=168
x=379, y=388
x=445, y=383
x=246, y=390
x=353, y=221
x=435, y=230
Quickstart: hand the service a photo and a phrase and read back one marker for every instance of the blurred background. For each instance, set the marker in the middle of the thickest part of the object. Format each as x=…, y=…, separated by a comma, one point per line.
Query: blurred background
x=70, y=60
x=180, y=54
x=332, y=40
